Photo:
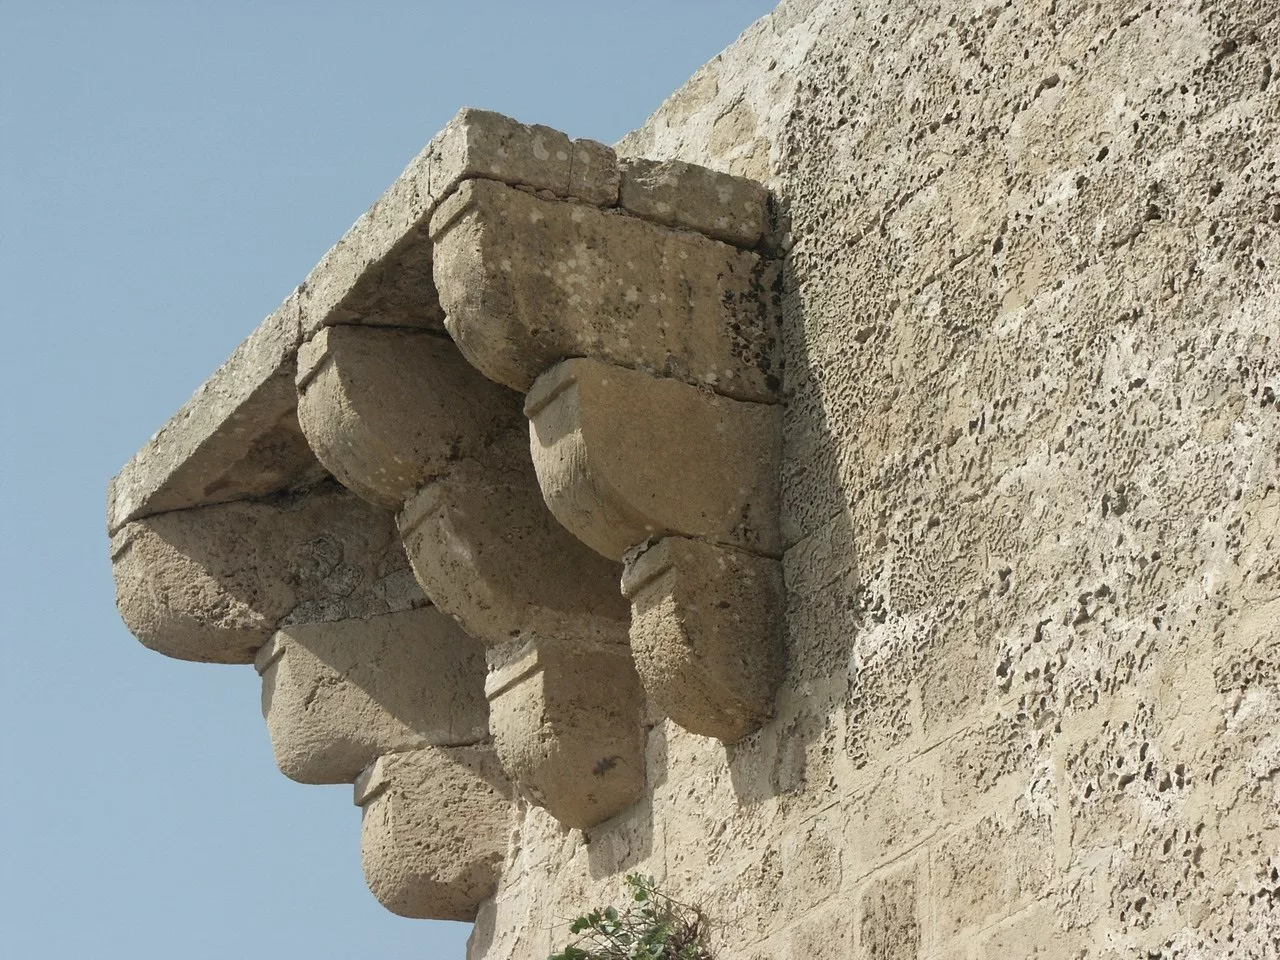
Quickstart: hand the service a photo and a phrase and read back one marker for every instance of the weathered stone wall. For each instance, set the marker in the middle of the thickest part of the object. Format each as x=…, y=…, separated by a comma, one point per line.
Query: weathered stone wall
x=1030, y=499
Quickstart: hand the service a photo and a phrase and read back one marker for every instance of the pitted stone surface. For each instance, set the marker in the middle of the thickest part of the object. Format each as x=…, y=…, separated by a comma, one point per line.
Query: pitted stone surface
x=387, y=410
x=336, y=696
x=526, y=282
x=237, y=437
x=623, y=457
x=214, y=583
x=434, y=830
x=1031, y=495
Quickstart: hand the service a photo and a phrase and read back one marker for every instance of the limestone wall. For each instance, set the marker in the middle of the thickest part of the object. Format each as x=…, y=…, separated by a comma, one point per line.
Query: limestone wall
x=1030, y=502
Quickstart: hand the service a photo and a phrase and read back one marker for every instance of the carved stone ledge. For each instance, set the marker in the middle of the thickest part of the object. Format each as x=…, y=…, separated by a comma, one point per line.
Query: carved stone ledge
x=336, y=696
x=706, y=634
x=434, y=830
x=214, y=583
x=567, y=726
x=622, y=457
x=379, y=272
x=526, y=282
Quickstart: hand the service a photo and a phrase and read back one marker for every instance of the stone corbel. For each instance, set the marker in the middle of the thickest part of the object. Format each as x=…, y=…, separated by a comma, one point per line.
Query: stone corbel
x=214, y=583
x=230, y=543
x=645, y=336
x=434, y=830
x=337, y=696
x=400, y=417
x=351, y=498
x=683, y=485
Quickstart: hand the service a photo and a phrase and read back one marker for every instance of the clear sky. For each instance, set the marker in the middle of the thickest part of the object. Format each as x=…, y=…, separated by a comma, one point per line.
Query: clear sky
x=169, y=170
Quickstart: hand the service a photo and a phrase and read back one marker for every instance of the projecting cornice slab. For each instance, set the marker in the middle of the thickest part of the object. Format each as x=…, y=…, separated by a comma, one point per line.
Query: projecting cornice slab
x=363, y=502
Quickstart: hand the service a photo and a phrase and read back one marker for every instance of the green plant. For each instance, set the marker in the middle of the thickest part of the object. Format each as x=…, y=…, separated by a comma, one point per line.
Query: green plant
x=652, y=926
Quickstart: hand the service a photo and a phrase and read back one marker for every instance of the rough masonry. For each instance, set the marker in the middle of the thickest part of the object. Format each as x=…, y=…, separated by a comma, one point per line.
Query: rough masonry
x=853, y=499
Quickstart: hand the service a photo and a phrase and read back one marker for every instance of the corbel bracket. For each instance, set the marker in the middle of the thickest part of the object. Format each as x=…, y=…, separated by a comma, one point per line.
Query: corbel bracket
x=646, y=337
x=351, y=501
x=434, y=830
x=402, y=419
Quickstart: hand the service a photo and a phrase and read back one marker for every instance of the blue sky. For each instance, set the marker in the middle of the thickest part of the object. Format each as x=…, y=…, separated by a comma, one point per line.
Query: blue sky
x=168, y=172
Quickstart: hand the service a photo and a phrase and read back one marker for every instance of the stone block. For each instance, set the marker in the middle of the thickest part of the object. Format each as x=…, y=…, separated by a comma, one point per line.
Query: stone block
x=679, y=194
x=706, y=634
x=889, y=916
x=826, y=933
x=488, y=552
x=481, y=144
x=214, y=583
x=336, y=696
x=386, y=410
x=622, y=457
x=566, y=722
x=982, y=873
x=434, y=830
x=593, y=174
x=526, y=282
x=237, y=437
x=1035, y=934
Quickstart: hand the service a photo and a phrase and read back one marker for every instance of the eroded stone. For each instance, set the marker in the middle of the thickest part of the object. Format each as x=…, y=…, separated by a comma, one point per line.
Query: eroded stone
x=679, y=194
x=336, y=696
x=707, y=634
x=214, y=583
x=385, y=410
x=566, y=722
x=487, y=145
x=526, y=282
x=434, y=829
x=623, y=457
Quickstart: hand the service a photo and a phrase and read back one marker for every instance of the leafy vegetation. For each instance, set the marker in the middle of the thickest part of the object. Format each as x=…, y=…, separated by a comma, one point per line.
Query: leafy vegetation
x=652, y=926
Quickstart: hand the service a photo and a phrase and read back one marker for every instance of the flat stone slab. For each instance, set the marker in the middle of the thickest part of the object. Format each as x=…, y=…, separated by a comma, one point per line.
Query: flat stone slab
x=236, y=438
